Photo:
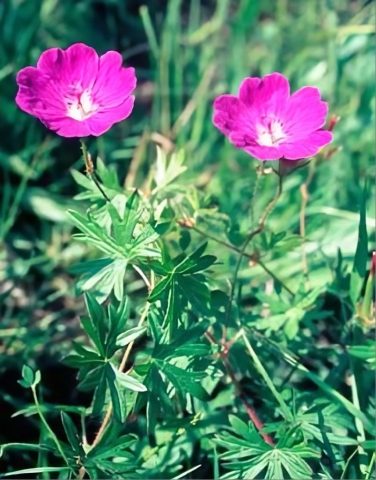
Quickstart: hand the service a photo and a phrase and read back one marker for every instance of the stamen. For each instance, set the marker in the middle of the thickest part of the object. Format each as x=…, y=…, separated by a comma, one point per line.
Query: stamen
x=80, y=106
x=271, y=134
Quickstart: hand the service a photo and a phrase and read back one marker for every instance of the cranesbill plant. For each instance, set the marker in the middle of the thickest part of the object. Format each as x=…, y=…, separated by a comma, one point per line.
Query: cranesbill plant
x=189, y=382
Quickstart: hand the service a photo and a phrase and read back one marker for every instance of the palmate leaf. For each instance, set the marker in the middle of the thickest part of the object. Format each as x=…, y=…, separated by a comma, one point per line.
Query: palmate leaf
x=158, y=400
x=275, y=463
x=248, y=455
x=187, y=342
x=166, y=171
x=184, y=381
x=181, y=284
x=121, y=236
x=106, y=330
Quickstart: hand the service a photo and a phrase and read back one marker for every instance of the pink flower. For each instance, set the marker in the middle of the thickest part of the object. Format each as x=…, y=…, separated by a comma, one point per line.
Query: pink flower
x=268, y=123
x=76, y=93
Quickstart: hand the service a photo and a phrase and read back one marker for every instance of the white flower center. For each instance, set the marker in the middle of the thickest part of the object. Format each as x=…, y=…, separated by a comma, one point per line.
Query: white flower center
x=271, y=135
x=80, y=107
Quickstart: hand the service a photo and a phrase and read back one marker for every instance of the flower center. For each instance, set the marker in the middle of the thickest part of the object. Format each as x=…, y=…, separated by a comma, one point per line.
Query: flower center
x=80, y=106
x=270, y=135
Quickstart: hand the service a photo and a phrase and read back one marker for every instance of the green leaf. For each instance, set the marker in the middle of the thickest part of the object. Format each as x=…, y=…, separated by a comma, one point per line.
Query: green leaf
x=25, y=446
x=245, y=431
x=107, y=175
x=197, y=254
x=91, y=378
x=275, y=238
x=361, y=254
x=71, y=433
x=116, y=396
x=64, y=470
x=158, y=268
x=92, y=332
x=131, y=216
x=331, y=392
x=194, y=288
x=188, y=382
x=129, y=336
x=100, y=394
x=364, y=352
x=159, y=289
x=30, y=378
x=185, y=239
x=129, y=382
x=97, y=316
x=201, y=264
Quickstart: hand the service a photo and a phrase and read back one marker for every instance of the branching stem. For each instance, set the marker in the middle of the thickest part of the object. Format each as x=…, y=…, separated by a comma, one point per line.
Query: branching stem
x=255, y=232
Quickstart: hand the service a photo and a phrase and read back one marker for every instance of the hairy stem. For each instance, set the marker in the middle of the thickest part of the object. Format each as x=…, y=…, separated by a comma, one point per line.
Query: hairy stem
x=90, y=169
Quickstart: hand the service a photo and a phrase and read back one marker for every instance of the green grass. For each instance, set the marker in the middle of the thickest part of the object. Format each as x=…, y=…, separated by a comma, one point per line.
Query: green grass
x=186, y=53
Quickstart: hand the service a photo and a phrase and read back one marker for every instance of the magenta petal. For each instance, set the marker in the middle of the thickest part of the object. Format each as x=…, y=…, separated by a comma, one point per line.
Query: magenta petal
x=225, y=111
x=103, y=120
x=68, y=127
x=272, y=95
x=114, y=83
x=264, y=153
x=248, y=90
x=75, y=67
x=81, y=65
x=51, y=62
x=35, y=95
x=306, y=112
x=76, y=94
x=269, y=124
x=306, y=147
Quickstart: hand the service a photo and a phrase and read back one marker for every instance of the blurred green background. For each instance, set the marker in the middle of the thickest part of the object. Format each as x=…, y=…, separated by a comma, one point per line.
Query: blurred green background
x=185, y=54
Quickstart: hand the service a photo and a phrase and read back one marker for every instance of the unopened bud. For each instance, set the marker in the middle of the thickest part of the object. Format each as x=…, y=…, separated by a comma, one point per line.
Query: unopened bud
x=333, y=121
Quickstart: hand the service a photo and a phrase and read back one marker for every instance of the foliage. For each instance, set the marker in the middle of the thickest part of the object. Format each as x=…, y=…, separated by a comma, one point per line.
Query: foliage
x=145, y=342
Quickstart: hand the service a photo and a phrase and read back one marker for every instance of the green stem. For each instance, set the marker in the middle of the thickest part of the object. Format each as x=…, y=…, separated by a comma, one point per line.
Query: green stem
x=255, y=232
x=251, y=256
x=347, y=464
x=44, y=421
x=286, y=411
x=368, y=474
x=355, y=398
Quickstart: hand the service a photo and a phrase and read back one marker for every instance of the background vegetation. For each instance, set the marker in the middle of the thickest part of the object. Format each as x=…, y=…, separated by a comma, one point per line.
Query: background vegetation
x=296, y=297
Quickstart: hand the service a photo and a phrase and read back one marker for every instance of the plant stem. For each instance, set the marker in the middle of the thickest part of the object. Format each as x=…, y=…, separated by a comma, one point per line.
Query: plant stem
x=255, y=232
x=251, y=256
x=143, y=276
x=305, y=197
x=286, y=411
x=348, y=463
x=90, y=169
x=240, y=393
x=368, y=474
x=44, y=421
